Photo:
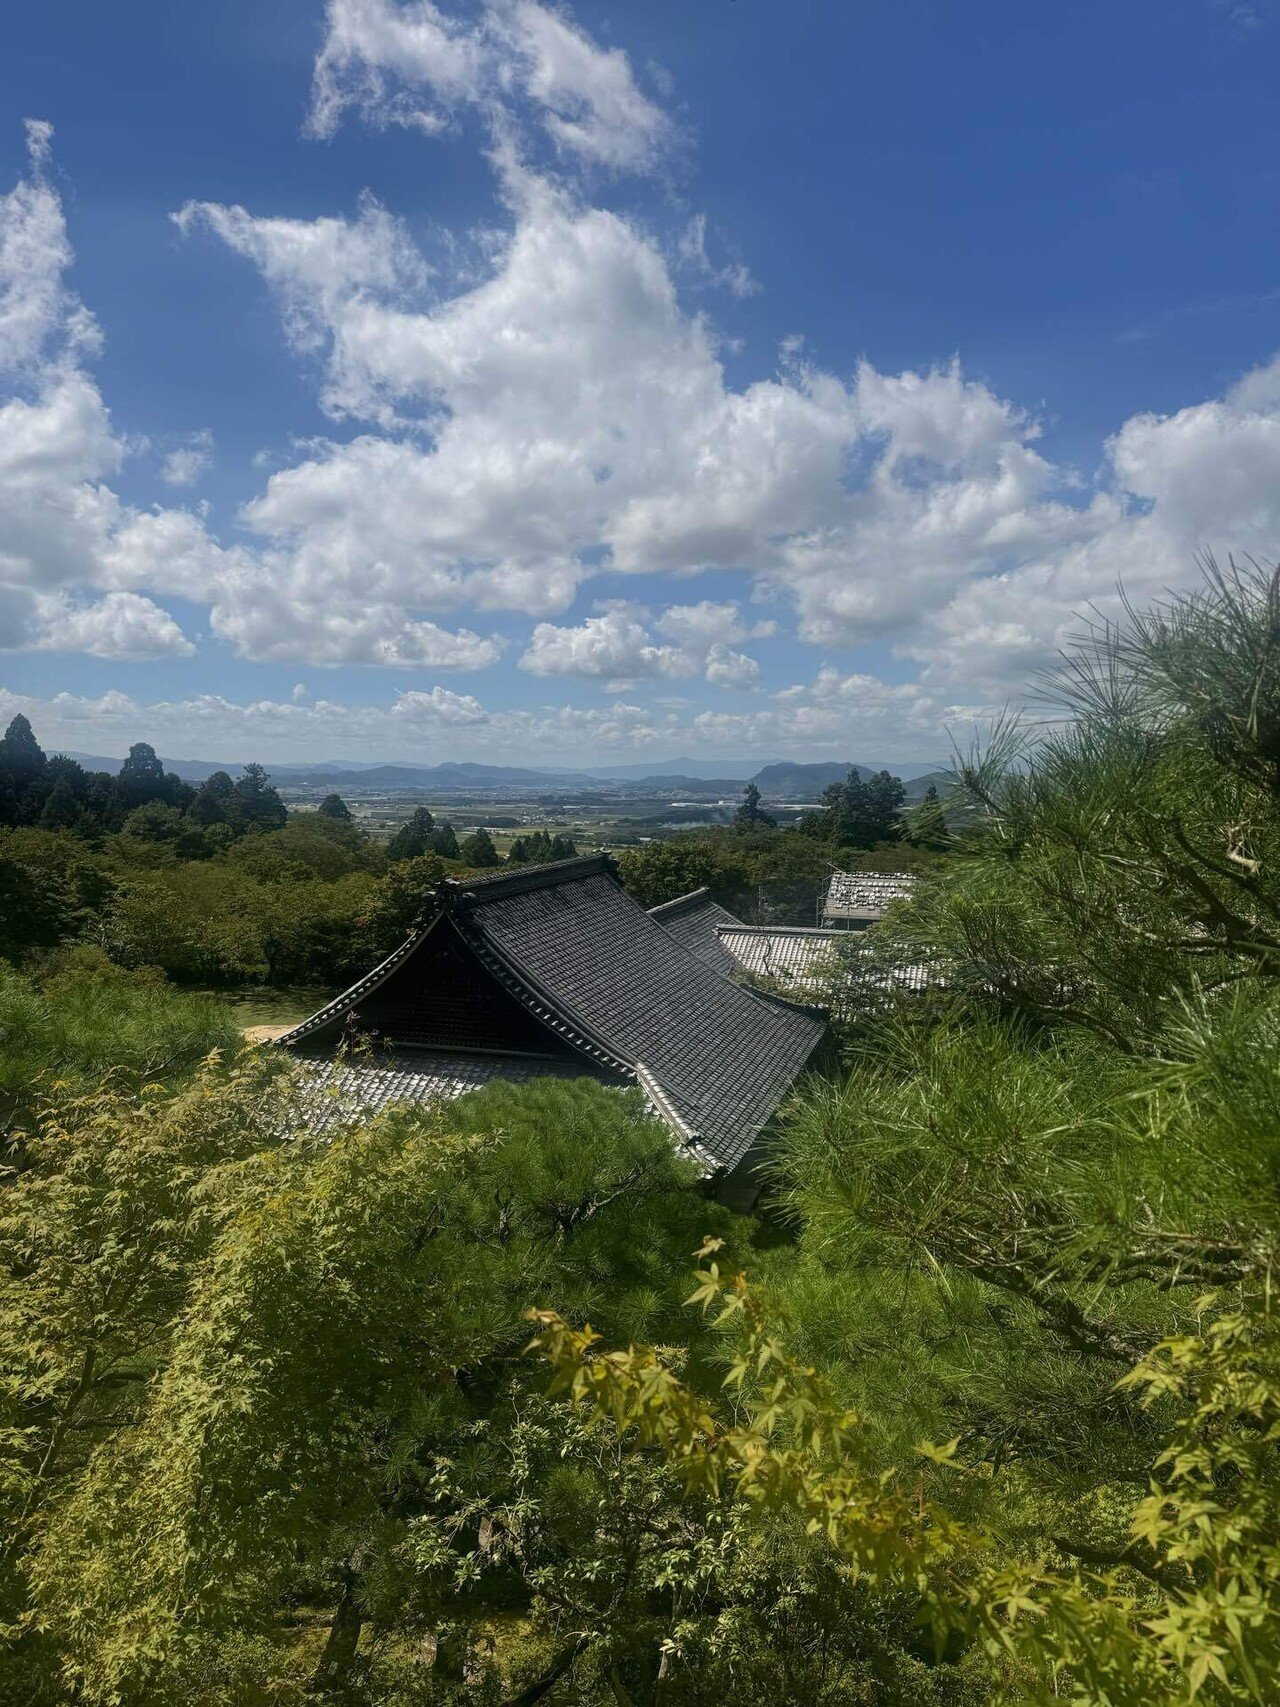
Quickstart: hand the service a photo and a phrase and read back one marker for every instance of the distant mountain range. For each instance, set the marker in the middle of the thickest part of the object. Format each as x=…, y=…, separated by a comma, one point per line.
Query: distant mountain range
x=703, y=770
x=749, y=770
x=339, y=772
x=784, y=781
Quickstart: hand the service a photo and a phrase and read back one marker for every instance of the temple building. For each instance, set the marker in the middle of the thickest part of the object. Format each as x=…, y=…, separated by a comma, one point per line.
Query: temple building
x=555, y=970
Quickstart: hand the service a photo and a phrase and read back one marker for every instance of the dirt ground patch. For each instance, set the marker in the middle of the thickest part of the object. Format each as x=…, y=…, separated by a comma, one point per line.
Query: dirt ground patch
x=264, y=1033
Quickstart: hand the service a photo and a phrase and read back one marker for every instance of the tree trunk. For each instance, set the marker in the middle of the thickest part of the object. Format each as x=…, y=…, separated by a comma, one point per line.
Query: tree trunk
x=339, y=1653
x=554, y=1672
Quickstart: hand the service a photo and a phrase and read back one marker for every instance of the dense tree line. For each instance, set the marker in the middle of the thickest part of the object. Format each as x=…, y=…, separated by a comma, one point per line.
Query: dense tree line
x=858, y=814
x=766, y=874
x=212, y=884
x=313, y=901
x=540, y=848
x=59, y=794
x=218, y=884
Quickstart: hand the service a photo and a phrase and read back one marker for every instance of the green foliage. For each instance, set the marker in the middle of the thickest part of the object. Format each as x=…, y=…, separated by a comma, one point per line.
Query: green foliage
x=172, y=830
x=413, y=839
x=212, y=804
x=1128, y=859
x=205, y=904
x=444, y=841
x=1183, y=1607
x=22, y=758
x=142, y=778
x=399, y=900
x=308, y=846
x=219, y=924
x=60, y=810
x=761, y=874
x=199, y=923
x=82, y=1019
x=660, y=871
x=540, y=848
x=318, y=930
x=858, y=814
x=334, y=806
x=325, y=1395
x=1039, y=1220
x=478, y=850
x=254, y=804
x=750, y=815
x=51, y=889
x=925, y=825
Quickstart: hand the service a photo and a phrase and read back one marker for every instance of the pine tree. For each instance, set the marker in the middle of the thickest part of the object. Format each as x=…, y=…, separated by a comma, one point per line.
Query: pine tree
x=61, y=809
x=540, y=848
x=212, y=804
x=414, y=838
x=749, y=815
x=859, y=814
x=927, y=823
x=847, y=813
x=21, y=754
x=334, y=806
x=478, y=848
x=885, y=798
x=255, y=803
x=444, y=841
x=141, y=776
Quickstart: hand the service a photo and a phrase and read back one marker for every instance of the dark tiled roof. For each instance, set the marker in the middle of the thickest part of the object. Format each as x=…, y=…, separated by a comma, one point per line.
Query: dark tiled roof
x=720, y=1056
x=605, y=987
x=695, y=920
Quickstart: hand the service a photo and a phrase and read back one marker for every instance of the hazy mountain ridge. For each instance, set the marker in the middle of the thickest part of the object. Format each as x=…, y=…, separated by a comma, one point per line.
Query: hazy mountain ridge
x=784, y=780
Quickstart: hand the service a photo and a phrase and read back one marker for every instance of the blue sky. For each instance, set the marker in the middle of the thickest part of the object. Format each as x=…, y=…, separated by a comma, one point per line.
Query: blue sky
x=502, y=381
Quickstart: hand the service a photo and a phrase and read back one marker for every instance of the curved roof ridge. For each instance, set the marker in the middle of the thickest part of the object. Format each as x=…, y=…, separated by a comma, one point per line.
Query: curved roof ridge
x=620, y=985
x=680, y=904
x=478, y=891
x=613, y=985
x=782, y=930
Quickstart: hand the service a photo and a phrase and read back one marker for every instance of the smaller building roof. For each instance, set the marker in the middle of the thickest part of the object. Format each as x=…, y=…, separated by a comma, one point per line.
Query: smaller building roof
x=833, y=966
x=790, y=955
x=336, y=1092
x=864, y=895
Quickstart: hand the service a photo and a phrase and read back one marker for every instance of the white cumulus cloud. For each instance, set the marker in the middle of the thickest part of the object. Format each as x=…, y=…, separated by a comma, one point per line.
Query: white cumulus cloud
x=185, y=463
x=120, y=625
x=524, y=67
x=66, y=533
x=616, y=646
